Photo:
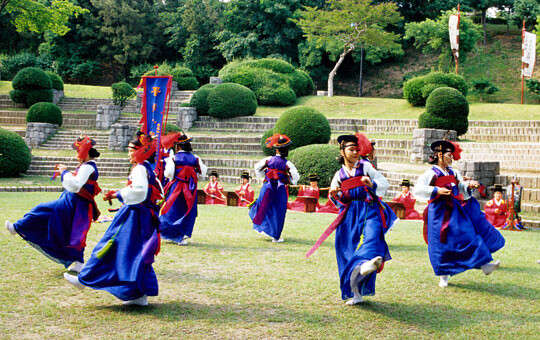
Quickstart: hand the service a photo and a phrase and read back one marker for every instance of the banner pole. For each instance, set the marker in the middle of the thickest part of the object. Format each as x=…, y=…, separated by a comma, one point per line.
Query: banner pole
x=457, y=38
x=522, y=63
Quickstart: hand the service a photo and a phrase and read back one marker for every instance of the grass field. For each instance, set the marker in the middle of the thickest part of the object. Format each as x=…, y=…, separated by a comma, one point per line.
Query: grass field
x=231, y=283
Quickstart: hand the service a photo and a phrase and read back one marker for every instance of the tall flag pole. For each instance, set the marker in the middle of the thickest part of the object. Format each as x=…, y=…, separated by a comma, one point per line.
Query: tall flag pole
x=453, y=31
x=528, y=56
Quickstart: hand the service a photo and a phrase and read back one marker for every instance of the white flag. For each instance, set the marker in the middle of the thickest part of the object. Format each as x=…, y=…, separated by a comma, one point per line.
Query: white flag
x=529, y=53
x=453, y=31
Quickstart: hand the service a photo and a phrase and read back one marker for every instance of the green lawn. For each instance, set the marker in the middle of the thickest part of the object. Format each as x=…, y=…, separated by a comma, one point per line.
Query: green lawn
x=72, y=90
x=231, y=283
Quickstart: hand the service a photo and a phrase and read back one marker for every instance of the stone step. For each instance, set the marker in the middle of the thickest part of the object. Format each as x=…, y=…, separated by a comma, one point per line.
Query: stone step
x=12, y=121
x=227, y=146
x=12, y=113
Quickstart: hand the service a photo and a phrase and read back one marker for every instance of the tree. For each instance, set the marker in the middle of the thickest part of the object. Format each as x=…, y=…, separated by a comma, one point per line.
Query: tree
x=349, y=24
x=432, y=35
x=482, y=6
x=36, y=16
x=420, y=10
x=527, y=10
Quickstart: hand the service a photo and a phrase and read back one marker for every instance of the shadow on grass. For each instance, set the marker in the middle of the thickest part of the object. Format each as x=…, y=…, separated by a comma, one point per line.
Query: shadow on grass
x=222, y=313
x=502, y=289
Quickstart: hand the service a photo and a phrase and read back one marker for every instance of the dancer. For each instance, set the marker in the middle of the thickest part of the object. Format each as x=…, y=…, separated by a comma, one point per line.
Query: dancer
x=496, y=209
x=312, y=190
x=184, y=169
x=361, y=249
x=58, y=229
x=245, y=192
x=214, y=190
x=407, y=199
x=268, y=211
x=459, y=238
x=121, y=262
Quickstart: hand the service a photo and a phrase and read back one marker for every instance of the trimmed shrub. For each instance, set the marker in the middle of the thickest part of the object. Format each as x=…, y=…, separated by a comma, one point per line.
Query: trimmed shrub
x=243, y=75
x=316, y=158
x=44, y=113
x=15, y=156
x=37, y=96
x=230, y=100
x=483, y=87
x=281, y=95
x=304, y=126
x=172, y=128
x=412, y=91
x=276, y=65
x=533, y=85
x=13, y=64
x=447, y=109
x=56, y=81
x=185, y=78
x=428, y=88
x=301, y=83
x=122, y=92
x=265, y=150
x=199, y=100
x=449, y=79
x=31, y=78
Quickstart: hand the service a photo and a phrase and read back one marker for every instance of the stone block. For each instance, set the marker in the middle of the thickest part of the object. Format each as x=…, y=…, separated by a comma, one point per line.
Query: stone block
x=322, y=93
x=216, y=80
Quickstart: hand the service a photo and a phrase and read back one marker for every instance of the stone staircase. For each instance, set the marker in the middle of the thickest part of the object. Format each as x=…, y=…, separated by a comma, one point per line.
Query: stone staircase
x=63, y=139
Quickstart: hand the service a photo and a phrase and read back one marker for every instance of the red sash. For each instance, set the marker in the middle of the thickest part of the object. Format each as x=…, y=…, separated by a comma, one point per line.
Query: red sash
x=183, y=177
x=90, y=197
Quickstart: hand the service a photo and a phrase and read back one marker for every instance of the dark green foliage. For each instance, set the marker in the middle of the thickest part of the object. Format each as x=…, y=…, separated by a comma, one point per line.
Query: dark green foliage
x=412, y=91
x=13, y=64
x=185, y=78
x=199, y=100
x=44, y=113
x=281, y=95
x=302, y=83
x=483, y=87
x=37, y=96
x=244, y=75
x=533, y=85
x=172, y=128
x=230, y=100
x=316, y=158
x=428, y=88
x=276, y=65
x=449, y=79
x=14, y=154
x=447, y=109
x=267, y=151
x=18, y=96
x=56, y=81
x=122, y=92
x=304, y=126
x=31, y=78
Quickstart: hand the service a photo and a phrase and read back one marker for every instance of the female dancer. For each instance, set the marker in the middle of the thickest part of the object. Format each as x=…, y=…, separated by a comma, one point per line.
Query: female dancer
x=58, y=229
x=456, y=239
x=121, y=262
x=268, y=211
x=245, y=192
x=362, y=221
x=177, y=216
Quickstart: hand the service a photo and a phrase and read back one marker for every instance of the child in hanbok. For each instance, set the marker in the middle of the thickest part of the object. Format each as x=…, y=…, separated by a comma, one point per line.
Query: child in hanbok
x=496, y=209
x=407, y=199
x=214, y=190
x=183, y=169
x=121, y=262
x=58, y=229
x=363, y=220
x=269, y=210
x=458, y=236
x=311, y=190
x=245, y=192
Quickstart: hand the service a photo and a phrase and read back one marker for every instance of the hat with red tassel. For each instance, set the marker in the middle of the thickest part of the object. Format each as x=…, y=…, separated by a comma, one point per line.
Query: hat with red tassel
x=278, y=141
x=145, y=150
x=83, y=144
x=457, y=151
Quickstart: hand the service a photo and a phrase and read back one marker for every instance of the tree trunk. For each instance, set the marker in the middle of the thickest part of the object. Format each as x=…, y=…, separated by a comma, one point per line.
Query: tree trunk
x=334, y=70
x=484, y=25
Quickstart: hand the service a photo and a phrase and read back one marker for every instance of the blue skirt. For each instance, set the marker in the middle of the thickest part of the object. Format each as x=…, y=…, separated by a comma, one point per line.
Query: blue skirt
x=274, y=219
x=464, y=248
x=48, y=227
x=125, y=270
x=360, y=238
x=491, y=236
x=176, y=224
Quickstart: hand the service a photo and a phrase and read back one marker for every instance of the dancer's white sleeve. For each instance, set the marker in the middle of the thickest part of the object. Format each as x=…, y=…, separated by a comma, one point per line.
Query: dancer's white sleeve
x=203, y=167
x=295, y=176
x=137, y=191
x=380, y=183
x=74, y=183
x=422, y=190
x=259, y=172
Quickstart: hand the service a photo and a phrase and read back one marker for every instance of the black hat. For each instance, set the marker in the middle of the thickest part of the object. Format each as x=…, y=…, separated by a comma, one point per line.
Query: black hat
x=213, y=173
x=183, y=139
x=406, y=183
x=313, y=177
x=245, y=174
x=442, y=145
x=278, y=141
x=347, y=138
x=497, y=187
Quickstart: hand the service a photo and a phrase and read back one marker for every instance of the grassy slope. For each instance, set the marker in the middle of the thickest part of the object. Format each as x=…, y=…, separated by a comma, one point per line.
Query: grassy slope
x=232, y=283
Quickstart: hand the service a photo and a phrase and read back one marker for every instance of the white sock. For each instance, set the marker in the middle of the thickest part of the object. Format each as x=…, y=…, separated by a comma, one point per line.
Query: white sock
x=489, y=268
x=444, y=281
x=10, y=228
x=142, y=301
x=74, y=280
x=371, y=265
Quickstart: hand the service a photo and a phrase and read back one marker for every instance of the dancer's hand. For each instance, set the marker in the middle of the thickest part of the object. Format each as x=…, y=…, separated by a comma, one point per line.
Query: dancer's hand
x=367, y=181
x=61, y=168
x=443, y=191
x=334, y=193
x=474, y=184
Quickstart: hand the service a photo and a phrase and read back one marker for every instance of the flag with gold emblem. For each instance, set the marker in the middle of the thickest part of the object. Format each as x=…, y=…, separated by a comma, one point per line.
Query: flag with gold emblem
x=155, y=104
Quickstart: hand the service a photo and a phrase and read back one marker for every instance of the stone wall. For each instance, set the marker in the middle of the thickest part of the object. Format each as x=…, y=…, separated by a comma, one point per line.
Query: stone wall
x=57, y=96
x=185, y=117
x=38, y=133
x=484, y=172
x=107, y=115
x=120, y=136
x=216, y=80
x=422, y=139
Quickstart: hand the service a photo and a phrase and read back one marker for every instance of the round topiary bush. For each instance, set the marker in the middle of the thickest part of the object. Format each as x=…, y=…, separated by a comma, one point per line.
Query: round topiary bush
x=301, y=83
x=31, y=85
x=446, y=108
x=243, y=75
x=449, y=79
x=265, y=150
x=276, y=65
x=304, y=126
x=44, y=113
x=122, y=92
x=412, y=91
x=230, y=100
x=320, y=159
x=281, y=95
x=185, y=78
x=199, y=99
x=38, y=96
x=56, y=81
x=14, y=154
x=172, y=128
x=428, y=88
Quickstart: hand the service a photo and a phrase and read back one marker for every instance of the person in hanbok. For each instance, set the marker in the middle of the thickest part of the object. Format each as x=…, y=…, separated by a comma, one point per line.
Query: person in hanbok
x=311, y=190
x=121, y=262
x=363, y=220
x=458, y=236
x=58, y=229
x=407, y=199
x=183, y=169
x=245, y=192
x=269, y=210
x=496, y=209
x=214, y=190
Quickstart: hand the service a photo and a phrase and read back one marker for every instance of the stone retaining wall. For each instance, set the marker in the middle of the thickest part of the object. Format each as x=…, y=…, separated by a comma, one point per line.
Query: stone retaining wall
x=37, y=133
x=186, y=117
x=107, y=115
x=120, y=136
x=422, y=139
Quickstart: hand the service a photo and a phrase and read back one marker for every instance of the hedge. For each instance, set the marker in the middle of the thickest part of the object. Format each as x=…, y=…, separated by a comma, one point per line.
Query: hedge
x=199, y=99
x=265, y=150
x=304, y=125
x=320, y=159
x=44, y=113
x=122, y=92
x=185, y=78
x=15, y=156
x=447, y=109
x=230, y=100
x=56, y=81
